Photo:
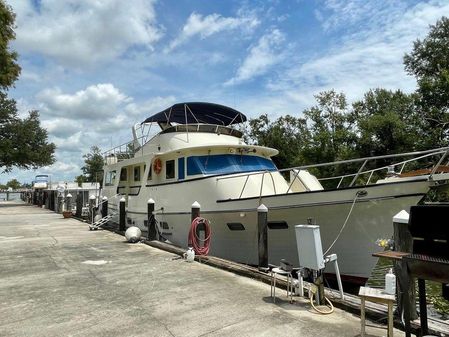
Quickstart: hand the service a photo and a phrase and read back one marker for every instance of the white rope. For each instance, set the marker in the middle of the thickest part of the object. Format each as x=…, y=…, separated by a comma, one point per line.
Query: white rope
x=344, y=225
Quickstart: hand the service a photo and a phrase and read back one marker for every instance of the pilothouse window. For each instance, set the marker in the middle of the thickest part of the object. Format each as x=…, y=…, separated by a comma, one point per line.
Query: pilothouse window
x=123, y=174
x=227, y=163
x=137, y=173
x=169, y=169
x=110, y=178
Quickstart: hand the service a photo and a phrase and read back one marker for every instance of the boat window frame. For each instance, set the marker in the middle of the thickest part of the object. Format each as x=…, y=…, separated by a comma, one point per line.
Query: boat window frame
x=124, y=174
x=173, y=175
x=136, y=169
x=108, y=180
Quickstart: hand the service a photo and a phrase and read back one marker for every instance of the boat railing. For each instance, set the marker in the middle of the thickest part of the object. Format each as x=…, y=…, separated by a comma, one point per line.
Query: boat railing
x=124, y=151
x=385, y=170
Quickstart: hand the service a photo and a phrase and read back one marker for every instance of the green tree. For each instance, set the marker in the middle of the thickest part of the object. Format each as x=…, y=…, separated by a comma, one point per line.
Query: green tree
x=387, y=122
x=93, y=168
x=23, y=143
x=287, y=134
x=332, y=137
x=14, y=184
x=10, y=70
x=429, y=63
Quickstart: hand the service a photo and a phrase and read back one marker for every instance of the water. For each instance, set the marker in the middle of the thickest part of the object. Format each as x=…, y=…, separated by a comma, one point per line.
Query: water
x=439, y=307
x=12, y=196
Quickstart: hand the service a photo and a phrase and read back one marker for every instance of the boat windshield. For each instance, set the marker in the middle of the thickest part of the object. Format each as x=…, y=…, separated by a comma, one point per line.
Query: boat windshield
x=227, y=163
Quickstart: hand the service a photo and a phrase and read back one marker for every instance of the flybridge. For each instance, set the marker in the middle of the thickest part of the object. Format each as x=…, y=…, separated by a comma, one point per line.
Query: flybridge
x=197, y=113
x=190, y=117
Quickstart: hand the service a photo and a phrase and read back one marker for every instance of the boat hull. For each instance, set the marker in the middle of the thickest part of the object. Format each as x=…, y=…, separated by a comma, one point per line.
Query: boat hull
x=370, y=210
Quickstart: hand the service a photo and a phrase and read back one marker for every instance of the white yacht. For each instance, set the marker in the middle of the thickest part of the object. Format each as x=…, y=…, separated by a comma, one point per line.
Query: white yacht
x=198, y=156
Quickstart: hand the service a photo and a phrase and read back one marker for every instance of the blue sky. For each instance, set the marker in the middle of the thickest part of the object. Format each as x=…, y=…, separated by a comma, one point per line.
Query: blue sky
x=95, y=68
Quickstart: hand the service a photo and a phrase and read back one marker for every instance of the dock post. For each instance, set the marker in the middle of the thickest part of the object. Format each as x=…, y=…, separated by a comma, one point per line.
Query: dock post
x=79, y=205
x=122, y=219
x=68, y=204
x=200, y=230
x=403, y=242
x=60, y=203
x=7, y=195
x=104, y=207
x=92, y=208
x=262, y=230
x=150, y=220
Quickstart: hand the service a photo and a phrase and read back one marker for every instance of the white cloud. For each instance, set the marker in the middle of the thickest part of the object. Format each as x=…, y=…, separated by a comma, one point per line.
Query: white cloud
x=96, y=102
x=265, y=54
x=369, y=55
x=209, y=25
x=84, y=31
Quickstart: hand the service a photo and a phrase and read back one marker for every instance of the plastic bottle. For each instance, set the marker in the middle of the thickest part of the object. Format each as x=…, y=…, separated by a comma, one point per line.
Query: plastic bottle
x=390, y=282
x=190, y=255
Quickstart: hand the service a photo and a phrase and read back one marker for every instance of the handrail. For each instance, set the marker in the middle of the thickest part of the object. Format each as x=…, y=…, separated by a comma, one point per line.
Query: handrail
x=418, y=155
x=113, y=197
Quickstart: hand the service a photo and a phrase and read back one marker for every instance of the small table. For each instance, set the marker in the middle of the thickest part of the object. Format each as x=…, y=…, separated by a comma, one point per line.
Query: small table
x=278, y=271
x=377, y=296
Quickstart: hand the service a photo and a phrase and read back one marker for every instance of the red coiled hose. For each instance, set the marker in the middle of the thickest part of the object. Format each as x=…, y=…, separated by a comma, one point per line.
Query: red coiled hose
x=194, y=240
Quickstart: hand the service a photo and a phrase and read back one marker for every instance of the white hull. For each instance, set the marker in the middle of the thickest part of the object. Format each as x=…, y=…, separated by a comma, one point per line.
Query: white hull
x=371, y=219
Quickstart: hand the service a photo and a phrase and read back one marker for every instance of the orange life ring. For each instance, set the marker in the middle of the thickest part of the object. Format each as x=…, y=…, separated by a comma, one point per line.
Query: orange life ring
x=157, y=166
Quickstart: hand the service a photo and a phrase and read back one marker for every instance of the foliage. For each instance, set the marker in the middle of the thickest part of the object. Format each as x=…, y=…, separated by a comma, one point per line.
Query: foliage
x=10, y=70
x=386, y=123
x=23, y=142
x=93, y=168
x=287, y=134
x=80, y=179
x=429, y=63
x=14, y=184
x=331, y=135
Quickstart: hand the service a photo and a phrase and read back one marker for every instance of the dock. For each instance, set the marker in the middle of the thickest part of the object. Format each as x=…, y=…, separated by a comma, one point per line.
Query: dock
x=60, y=279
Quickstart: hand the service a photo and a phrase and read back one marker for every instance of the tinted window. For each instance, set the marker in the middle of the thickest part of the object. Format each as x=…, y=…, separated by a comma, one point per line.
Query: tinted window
x=123, y=174
x=169, y=169
x=150, y=172
x=137, y=173
x=227, y=163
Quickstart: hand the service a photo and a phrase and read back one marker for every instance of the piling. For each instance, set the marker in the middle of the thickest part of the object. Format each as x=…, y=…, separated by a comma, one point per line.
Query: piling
x=60, y=203
x=104, y=207
x=403, y=242
x=200, y=229
x=262, y=230
x=79, y=205
x=68, y=202
x=122, y=215
x=150, y=220
x=92, y=208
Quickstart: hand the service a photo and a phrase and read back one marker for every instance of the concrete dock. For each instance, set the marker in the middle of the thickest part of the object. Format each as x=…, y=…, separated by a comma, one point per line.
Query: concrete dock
x=57, y=278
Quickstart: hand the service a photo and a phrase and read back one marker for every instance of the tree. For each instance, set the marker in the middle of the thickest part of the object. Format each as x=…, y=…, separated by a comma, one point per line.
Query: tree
x=93, y=168
x=10, y=70
x=386, y=122
x=332, y=138
x=23, y=143
x=287, y=134
x=429, y=63
x=14, y=184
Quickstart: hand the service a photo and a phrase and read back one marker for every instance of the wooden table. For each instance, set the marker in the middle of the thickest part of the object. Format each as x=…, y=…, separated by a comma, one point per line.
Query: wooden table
x=377, y=296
